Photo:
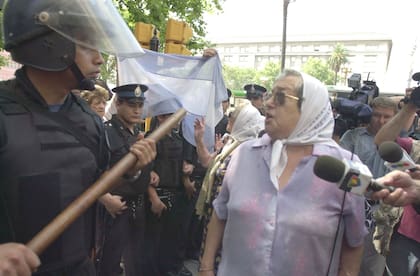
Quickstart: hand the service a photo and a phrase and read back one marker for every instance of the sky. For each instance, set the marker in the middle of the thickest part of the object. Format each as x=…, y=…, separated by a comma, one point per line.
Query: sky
x=263, y=18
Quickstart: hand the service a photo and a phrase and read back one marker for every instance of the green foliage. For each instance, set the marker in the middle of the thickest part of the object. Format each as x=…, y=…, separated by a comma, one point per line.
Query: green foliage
x=3, y=60
x=158, y=12
x=108, y=72
x=237, y=77
x=268, y=74
x=338, y=57
x=319, y=69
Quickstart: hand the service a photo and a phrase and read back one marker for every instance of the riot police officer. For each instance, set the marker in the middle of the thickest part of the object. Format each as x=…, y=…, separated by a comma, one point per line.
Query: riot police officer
x=123, y=228
x=165, y=242
x=52, y=144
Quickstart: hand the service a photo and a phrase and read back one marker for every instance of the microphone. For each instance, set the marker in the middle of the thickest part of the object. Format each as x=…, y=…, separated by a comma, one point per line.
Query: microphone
x=350, y=176
x=395, y=157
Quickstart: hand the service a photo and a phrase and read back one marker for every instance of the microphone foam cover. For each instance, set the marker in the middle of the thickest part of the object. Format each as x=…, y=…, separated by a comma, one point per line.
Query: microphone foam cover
x=329, y=168
x=390, y=151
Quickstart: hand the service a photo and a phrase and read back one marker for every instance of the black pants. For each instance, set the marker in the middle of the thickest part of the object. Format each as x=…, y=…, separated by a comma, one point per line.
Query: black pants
x=194, y=225
x=81, y=268
x=123, y=236
x=164, y=239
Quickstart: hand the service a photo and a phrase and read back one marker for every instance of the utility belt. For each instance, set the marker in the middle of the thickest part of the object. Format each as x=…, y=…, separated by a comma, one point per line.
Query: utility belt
x=135, y=205
x=168, y=196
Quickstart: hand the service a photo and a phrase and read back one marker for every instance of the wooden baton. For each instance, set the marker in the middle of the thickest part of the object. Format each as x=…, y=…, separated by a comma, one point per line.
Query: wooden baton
x=105, y=183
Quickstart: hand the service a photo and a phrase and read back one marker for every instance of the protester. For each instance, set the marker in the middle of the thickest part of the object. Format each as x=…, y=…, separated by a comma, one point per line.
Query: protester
x=52, y=144
x=244, y=123
x=96, y=99
x=273, y=215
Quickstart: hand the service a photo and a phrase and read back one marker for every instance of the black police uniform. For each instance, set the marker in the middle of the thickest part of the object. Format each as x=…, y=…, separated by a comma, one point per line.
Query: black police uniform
x=254, y=91
x=194, y=224
x=123, y=236
x=47, y=159
x=165, y=241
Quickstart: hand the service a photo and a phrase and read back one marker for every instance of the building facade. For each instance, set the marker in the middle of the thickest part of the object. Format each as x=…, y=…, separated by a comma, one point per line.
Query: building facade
x=367, y=53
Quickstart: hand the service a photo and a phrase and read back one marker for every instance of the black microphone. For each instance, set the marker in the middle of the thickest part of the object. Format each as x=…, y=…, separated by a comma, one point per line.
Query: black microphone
x=350, y=176
x=395, y=157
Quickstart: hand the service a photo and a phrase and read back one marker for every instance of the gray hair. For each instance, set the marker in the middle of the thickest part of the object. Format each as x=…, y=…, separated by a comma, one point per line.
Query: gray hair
x=298, y=85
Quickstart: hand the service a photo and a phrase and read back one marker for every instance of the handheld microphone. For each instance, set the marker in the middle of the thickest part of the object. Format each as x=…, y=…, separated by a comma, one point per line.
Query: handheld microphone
x=395, y=157
x=350, y=176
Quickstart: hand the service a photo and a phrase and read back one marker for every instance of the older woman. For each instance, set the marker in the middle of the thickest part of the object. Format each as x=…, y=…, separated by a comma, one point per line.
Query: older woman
x=96, y=99
x=274, y=215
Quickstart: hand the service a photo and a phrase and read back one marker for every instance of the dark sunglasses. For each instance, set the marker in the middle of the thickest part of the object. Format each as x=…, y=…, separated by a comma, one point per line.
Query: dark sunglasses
x=279, y=97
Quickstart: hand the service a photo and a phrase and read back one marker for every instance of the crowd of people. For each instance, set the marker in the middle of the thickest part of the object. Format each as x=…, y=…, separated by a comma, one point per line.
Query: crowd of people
x=251, y=205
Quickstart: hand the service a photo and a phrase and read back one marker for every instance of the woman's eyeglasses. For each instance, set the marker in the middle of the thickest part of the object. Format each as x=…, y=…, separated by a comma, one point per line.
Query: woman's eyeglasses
x=279, y=97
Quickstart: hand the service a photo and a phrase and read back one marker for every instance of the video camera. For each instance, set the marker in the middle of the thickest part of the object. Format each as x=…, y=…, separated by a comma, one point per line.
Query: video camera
x=355, y=109
x=415, y=94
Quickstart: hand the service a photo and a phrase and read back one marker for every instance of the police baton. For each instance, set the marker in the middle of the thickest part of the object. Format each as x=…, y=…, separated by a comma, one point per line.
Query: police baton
x=105, y=183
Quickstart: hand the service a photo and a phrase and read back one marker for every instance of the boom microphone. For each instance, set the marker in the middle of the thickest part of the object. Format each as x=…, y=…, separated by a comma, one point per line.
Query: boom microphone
x=395, y=157
x=350, y=176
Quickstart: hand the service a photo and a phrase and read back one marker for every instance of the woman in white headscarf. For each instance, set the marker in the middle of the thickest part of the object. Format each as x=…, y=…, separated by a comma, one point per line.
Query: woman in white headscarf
x=244, y=123
x=274, y=215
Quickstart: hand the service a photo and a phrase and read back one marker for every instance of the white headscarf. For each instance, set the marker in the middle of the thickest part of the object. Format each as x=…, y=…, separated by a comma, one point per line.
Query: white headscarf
x=247, y=124
x=315, y=125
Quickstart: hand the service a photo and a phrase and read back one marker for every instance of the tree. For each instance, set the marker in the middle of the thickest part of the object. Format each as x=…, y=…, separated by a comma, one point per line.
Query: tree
x=157, y=13
x=237, y=77
x=268, y=74
x=3, y=60
x=319, y=69
x=338, y=57
x=108, y=72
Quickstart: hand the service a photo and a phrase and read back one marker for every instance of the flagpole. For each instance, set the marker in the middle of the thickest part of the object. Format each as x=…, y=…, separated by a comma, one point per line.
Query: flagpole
x=105, y=183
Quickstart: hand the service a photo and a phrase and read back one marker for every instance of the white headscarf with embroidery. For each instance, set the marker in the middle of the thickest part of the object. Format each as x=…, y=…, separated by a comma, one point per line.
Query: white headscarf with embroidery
x=315, y=125
x=247, y=124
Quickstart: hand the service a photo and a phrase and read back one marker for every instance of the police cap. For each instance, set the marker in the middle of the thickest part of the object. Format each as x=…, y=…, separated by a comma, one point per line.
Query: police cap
x=131, y=92
x=254, y=90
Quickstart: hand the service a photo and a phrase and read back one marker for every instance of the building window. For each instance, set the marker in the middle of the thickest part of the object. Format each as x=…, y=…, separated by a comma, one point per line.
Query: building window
x=275, y=49
x=297, y=48
x=243, y=49
x=228, y=50
x=371, y=47
x=227, y=58
x=263, y=49
x=308, y=48
x=243, y=58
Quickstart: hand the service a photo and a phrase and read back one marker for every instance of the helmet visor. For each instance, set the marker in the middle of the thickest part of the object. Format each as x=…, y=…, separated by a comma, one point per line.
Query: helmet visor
x=92, y=24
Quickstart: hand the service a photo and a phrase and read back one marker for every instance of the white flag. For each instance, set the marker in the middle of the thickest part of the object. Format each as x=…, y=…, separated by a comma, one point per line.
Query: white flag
x=196, y=83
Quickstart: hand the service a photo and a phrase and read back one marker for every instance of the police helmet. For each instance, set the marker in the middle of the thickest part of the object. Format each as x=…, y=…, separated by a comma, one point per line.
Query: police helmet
x=43, y=33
